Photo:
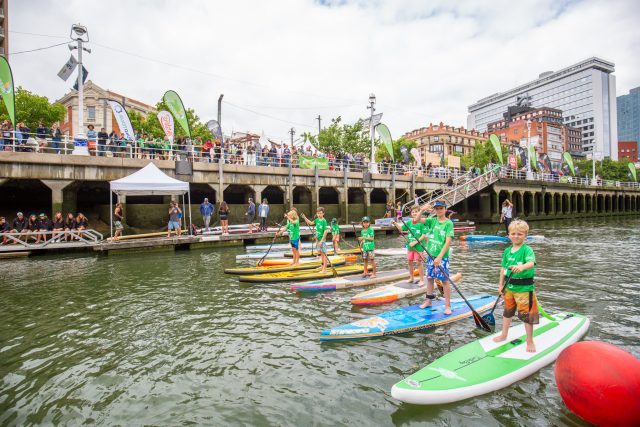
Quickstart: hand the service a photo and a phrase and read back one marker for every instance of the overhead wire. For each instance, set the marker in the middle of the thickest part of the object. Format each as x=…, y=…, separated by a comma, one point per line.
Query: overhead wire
x=40, y=48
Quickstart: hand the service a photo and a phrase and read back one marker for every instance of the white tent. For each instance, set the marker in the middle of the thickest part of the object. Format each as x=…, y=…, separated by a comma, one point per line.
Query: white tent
x=149, y=181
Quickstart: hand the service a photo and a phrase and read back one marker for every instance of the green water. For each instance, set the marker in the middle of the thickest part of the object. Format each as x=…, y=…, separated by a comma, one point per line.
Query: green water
x=168, y=339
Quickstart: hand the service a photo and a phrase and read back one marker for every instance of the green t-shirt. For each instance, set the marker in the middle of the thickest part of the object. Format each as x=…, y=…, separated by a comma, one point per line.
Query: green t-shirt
x=417, y=230
x=335, y=229
x=321, y=226
x=437, y=235
x=368, y=245
x=294, y=229
x=523, y=255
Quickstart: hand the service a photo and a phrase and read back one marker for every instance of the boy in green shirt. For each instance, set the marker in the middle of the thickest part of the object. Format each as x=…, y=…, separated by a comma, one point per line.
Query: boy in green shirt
x=367, y=243
x=322, y=229
x=519, y=261
x=439, y=238
x=293, y=227
x=335, y=235
x=414, y=247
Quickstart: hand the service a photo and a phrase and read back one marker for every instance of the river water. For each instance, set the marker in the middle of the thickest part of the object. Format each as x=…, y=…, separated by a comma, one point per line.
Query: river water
x=168, y=339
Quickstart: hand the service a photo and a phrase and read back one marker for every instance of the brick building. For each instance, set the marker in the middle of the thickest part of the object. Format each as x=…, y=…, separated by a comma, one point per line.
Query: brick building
x=444, y=139
x=96, y=109
x=547, y=133
x=628, y=149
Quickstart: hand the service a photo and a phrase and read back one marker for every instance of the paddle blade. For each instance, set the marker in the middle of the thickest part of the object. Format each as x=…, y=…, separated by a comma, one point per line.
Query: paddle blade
x=480, y=322
x=490, y=319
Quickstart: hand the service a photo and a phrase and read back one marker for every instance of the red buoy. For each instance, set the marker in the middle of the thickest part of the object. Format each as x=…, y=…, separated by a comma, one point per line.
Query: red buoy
x=600, y=383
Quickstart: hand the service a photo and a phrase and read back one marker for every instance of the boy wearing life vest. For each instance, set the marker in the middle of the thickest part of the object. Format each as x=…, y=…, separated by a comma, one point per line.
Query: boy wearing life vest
x=367, y=244
x=415, y=250
x=518, y=263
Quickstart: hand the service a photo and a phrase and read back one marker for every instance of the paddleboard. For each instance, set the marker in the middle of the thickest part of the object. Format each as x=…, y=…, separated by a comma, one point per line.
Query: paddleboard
x=305, y=254
x=391, y=251
x=483, y=366
x=391, y=293
x=259, y=255
x=335, y=283
x=279, y=268
x=408, y=319
x=295, y=276
x=282, y=246
x=484, y=238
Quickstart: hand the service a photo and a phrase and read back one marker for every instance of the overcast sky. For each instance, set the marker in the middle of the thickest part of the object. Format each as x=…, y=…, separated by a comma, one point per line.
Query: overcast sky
x=289, y=61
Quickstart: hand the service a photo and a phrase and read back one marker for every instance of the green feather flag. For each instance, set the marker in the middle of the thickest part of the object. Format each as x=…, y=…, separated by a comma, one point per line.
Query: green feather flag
x=495, y=142
x=175, y=105
x=634, y=175
x=567, y=158
x=6, y=89
x=385, y=136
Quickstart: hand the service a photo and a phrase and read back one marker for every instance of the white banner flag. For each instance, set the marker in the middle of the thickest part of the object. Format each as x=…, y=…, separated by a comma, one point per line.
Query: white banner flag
x=416, y=155
x=67, y=69
x=166, y=121
x=123, y=120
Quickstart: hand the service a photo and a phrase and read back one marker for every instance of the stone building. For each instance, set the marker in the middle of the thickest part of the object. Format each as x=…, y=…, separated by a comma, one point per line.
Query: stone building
x=96, y=109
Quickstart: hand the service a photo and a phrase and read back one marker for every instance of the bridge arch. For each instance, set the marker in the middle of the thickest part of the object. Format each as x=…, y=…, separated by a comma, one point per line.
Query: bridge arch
x=581, y=198
x=566, y=207
x=599, y=203
x=528, y=204
x=548, y=204
x=557, y=203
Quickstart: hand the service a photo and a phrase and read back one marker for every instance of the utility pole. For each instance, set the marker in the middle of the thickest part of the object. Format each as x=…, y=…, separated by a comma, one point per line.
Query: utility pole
x=319, y=119
x=81, y=36
x=371, y=106
x=292, y=132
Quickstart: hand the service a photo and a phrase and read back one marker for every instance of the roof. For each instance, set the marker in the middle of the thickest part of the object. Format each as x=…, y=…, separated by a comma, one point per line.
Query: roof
x=149, y=181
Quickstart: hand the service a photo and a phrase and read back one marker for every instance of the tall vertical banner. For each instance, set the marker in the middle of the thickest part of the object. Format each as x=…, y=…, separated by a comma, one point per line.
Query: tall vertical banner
x=385, y=136
x=495, y=142
x=567, y=158
x=123, y=120
x=166, y=121
x=405, y=153
x=533, y=157
x=416, y=155
x=175, y=105
x=632, y=169
x=214, y=128
x=6, y=89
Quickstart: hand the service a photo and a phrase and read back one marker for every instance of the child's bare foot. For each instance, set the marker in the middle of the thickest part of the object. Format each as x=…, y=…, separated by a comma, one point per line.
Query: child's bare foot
x=500, y=338
x=531, y=347
x=373, y=276
x=457, y=277
x=426, y=304
x=420, y=284
x=447, y=310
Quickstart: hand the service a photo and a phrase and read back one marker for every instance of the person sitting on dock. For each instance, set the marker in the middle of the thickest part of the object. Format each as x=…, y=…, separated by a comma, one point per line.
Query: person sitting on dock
x=44, y=225
x=33, y=226
x=174, y=219
x=69, y=225
x=19, y=225
x=4, y=228
x=57, y=225
x=82, y=223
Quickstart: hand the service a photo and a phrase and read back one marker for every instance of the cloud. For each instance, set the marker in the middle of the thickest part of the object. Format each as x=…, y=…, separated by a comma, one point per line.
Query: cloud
x=293, y=60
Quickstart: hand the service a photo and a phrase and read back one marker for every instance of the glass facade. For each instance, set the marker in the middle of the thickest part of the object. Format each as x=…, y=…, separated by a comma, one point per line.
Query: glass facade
x=629, y=116
x=581, y=91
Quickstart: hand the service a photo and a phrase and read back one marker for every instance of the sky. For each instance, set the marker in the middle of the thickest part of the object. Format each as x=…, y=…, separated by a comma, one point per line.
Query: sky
x=281, y=63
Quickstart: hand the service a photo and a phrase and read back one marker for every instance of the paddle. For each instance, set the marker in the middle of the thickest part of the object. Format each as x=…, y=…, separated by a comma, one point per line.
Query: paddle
x=544, y=313
x=489, y=318
x=272, y=242
x=480, y=322
x=312, y=232
x=355, y=233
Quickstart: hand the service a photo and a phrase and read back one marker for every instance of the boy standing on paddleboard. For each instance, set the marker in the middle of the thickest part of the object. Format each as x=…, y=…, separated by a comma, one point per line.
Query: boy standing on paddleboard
x=335, y=236
x=322, y=229
x=414, y=246
x=439, y=237
x=293, y=227
x=368, y=246
x=519, y=261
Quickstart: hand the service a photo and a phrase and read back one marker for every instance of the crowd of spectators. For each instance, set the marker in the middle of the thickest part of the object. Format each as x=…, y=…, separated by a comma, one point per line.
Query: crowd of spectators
x=40, y=228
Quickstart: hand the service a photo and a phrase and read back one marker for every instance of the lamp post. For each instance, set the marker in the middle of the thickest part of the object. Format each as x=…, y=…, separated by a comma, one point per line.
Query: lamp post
x=80, y=34
x=529, y=173
x=371, y=106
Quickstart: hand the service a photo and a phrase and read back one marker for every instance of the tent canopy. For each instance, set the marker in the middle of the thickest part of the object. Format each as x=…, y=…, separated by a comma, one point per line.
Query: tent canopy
x=149, y=181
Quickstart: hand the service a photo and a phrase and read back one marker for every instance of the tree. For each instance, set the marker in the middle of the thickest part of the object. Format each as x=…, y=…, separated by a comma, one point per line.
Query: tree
x=482, y=154
x=382, y=153
x=340, y=138
x=31, y=109
x=615, y=170
x=151, y=125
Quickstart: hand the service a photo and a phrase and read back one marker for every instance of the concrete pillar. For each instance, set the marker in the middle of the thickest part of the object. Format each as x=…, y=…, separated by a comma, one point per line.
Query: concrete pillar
x=57, y=195
x=315, y=198
x=258, y=189
x=485, y=206
x=343, y=203
x=367, y=202
x=214, y=187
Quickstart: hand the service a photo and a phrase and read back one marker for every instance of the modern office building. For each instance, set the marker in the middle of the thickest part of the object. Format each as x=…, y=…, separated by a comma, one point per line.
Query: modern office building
x=4, y=28
x=585, y=92
x=629, y=116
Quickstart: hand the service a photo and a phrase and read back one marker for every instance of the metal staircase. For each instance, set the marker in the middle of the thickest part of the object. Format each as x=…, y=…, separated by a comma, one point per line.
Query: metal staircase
x=463, y=187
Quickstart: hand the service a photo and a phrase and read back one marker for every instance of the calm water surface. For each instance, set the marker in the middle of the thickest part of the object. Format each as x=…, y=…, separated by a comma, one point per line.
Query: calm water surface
x=168, y=339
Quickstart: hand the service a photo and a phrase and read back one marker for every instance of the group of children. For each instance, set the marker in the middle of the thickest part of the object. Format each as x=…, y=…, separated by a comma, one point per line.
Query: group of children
x=428, y=247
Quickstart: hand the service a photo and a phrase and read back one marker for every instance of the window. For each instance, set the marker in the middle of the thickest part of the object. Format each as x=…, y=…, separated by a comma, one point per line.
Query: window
x=91, y=113
x=435, y=148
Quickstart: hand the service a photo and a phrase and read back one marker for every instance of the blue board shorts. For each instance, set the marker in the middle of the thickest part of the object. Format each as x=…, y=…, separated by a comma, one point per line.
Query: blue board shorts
x=174, y=225
x=323, y=247
x=436, y=272
x=295, y=244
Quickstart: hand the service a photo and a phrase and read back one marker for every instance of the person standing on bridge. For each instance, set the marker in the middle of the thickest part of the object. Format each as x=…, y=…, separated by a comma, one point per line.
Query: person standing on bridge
x=251, y=211
x=206, y=209
x=507, y=214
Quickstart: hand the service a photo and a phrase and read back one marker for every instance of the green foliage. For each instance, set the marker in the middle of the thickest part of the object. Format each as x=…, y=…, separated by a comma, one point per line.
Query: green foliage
x=482, y=154
x=31, y=109
x=339, y=137
x=615, y=170
x=151, y=124
x=382, y=153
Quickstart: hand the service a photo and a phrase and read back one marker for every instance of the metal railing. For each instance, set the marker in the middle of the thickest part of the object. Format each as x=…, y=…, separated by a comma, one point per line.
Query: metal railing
x=43, y=239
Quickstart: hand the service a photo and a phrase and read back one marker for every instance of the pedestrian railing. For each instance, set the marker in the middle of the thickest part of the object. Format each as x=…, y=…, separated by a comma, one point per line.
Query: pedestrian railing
x=44, y=239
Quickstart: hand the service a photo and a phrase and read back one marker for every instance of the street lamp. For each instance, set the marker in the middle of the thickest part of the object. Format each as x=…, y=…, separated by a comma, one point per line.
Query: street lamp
x=80, y=34
x=371, y=106
x=529, y=173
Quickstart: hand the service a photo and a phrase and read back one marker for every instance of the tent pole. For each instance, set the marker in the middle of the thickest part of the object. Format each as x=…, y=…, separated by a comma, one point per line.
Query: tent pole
x=111, y=214
x=189, y=201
